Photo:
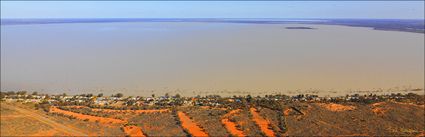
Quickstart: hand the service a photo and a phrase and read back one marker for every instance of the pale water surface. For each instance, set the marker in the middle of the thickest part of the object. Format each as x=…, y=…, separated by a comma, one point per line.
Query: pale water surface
x=206, y=58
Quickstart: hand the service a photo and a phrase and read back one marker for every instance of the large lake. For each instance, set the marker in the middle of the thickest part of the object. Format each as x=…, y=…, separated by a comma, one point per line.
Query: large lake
x=207, y=58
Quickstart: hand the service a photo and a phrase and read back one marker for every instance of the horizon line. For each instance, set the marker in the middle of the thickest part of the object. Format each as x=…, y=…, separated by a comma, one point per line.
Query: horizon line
x=215, y=18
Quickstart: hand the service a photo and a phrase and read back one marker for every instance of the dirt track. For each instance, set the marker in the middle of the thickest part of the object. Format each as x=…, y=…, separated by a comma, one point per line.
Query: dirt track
x=57, y=126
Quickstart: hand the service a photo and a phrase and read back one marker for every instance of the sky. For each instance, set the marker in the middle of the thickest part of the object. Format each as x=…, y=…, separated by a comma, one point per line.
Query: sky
x=213, y=9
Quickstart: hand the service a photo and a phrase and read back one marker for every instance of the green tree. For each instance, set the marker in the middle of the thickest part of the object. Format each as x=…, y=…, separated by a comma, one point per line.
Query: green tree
x=119, y=95
x=89, y=95
x=22, y=92
x=2, y=95
x=10, y=93
x=177, y=95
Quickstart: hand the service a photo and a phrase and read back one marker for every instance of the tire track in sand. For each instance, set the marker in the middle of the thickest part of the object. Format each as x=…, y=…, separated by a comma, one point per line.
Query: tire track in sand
x=57, y=126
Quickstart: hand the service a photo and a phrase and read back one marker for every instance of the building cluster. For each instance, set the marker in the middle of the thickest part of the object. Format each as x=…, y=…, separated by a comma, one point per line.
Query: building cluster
x=118, y=100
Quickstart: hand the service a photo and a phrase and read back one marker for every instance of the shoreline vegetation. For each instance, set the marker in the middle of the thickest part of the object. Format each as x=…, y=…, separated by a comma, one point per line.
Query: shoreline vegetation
x=230, y=93
x=167, y=101
x=403, y=25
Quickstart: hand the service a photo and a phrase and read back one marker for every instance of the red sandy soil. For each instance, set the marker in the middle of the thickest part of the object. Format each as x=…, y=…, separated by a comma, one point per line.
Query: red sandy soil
x=380, y=109
x=377, y=108
x=231, y=126
x=232, y=112
x=130, y=111
x=51, y=132
x=287, y=112
x=422, y=134
x=191, y=126
x=378, y=104
x=133, y=131
x=76, y=106
x=83, y=117
x=261, y=122
x=336, y=107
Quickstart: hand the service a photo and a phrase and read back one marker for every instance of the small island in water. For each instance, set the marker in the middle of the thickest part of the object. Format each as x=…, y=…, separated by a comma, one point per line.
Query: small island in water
x=299, y=28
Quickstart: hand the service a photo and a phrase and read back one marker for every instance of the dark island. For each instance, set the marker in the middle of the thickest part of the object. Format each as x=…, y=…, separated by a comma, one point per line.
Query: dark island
x=299, y=28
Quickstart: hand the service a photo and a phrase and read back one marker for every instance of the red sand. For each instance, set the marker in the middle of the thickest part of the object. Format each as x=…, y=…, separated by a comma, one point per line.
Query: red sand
x=232, y=112
x=208, y=107
x=287, y=112
x=76, y=106
x=133, y=131
x=84, y=117
x=231, y=126
x=262, y=123
x=421, y=134
x=131, y=111
x=378, y=109
x=336, y=107
x=191, y=126
x=50, y=132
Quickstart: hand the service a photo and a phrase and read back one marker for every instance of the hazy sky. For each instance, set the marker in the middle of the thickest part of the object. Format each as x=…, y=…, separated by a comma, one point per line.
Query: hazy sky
x=213, y=9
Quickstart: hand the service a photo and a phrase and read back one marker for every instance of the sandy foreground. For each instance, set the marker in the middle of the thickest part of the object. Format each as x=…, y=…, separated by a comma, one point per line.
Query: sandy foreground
x=386, y=118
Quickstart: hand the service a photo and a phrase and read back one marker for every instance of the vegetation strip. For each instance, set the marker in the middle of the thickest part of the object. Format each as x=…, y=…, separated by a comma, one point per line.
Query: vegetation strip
x=86, y=117
x=191, y=126
x=231, y=126
x=262, y=123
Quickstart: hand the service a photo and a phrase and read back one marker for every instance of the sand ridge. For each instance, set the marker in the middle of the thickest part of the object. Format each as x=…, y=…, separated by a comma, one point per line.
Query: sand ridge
x=190, y=125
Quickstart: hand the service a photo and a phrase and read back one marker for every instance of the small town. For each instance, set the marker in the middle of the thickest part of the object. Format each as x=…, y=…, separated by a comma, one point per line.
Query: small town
x=119, y=101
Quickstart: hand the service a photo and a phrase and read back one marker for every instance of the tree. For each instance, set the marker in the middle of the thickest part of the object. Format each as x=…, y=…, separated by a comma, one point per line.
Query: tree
x=248, y=98
x=10, y=93
x=119, y=95
x=177, y=95
x=35, y=93
x=89, y=95
x=100, y=95
x=2, y=94
x=47, y=96
x=153, y=95
x=22, y=92
x=167, y=95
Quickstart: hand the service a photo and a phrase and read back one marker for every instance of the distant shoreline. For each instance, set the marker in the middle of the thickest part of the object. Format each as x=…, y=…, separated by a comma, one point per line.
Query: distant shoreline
x=230, y=93
x=404, y=25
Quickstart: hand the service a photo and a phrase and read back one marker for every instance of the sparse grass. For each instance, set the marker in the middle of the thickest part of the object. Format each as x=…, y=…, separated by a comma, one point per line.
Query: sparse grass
x=21, y=126
x=158, y=124
x=243, y=119
x=14, y=123
x=209, y=120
